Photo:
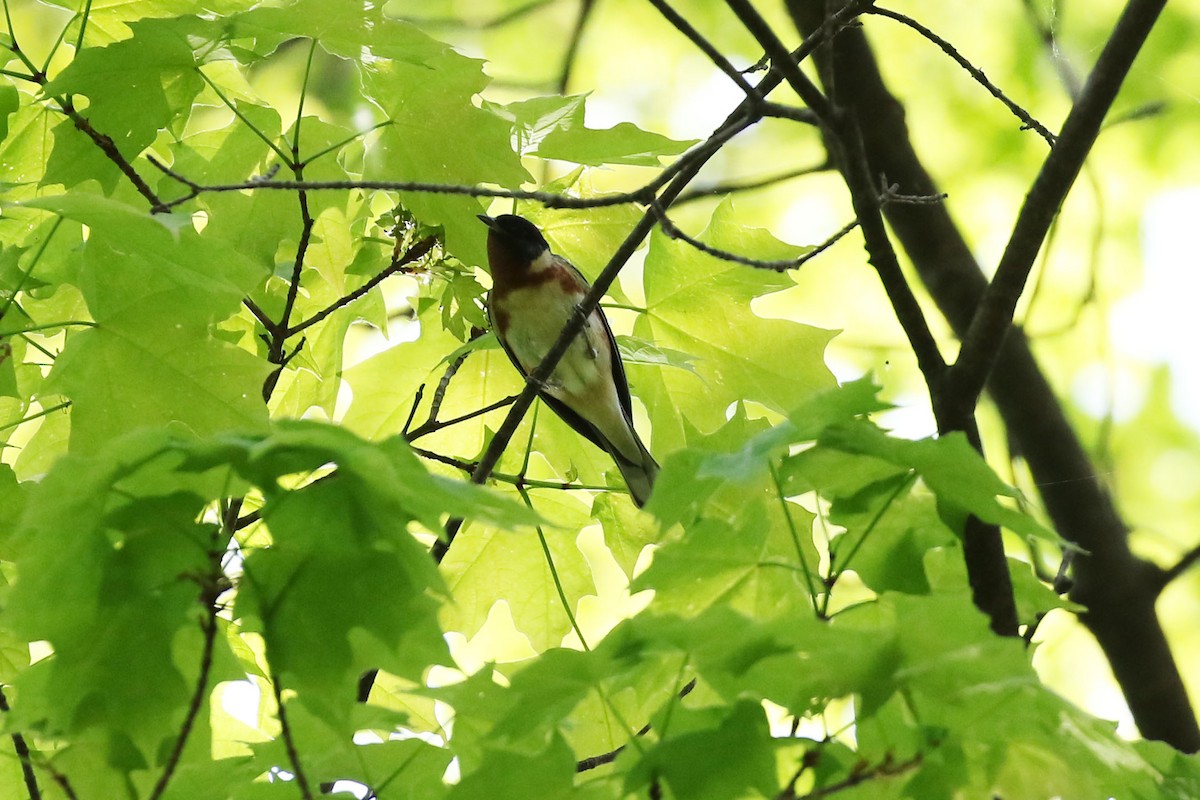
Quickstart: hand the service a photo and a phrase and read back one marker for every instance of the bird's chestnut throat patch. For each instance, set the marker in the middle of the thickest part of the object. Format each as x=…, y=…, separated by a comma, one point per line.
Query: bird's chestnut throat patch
x=510, y=273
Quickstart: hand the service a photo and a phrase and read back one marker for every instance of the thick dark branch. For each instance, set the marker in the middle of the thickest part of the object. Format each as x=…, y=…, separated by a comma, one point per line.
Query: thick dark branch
x=983, y=340
x=983, y=548
x=1109, y=579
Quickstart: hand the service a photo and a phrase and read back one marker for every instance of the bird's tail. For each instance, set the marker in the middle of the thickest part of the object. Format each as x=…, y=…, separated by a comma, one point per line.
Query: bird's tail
x=640, y=475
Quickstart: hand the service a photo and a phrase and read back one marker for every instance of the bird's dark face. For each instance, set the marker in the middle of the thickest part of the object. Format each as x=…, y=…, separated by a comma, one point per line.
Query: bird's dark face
x=516, y=235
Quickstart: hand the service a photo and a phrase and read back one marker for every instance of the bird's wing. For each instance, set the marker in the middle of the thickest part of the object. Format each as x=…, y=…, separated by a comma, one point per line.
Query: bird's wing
x=618, y=367
x=581, y=425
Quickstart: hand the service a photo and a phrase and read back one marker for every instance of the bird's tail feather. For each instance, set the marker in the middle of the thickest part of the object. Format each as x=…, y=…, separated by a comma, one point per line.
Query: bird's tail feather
x=640, y=475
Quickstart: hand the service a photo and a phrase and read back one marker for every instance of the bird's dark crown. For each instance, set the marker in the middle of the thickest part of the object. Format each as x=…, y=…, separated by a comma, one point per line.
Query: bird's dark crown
x=519, y=234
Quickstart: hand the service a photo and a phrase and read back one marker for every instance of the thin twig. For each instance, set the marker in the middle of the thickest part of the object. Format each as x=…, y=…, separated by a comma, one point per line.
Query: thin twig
x=209, y=626
x=591, y=762
x=480, y=25
x=31, y=417
x=886, y=769
x=289, y=743
x=731, y=187
x=1026, y=118
x=21, y=747
x=414, y=253
x=429, y=427
x=516, y=480
x=568, y=64
x=708, y=48
x=781, y=265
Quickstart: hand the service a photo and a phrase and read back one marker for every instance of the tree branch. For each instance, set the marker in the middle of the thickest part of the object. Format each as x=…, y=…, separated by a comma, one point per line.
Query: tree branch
x=414, y=253
x=581, y=19
x=1109, y=579
x=781, y=265
x=983, y=547
x=289, y=742
x=1026, y=118
x=730, y=187
x=993, y=318
x=21, y=747
x=708, y=48
x=1181, y=566
x=209, y=628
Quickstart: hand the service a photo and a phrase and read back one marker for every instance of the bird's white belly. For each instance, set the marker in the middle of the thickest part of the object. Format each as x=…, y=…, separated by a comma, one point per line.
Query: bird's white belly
x=535, y=329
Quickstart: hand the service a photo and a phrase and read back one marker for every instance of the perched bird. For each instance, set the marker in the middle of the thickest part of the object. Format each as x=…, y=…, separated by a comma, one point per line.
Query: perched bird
x=533, y=295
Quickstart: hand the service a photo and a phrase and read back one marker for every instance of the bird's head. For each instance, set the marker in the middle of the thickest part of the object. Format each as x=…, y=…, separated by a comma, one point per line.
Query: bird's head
x=513, y=240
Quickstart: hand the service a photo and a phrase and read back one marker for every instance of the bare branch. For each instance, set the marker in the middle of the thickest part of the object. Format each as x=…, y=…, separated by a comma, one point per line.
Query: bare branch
x=568, y=64
x=976, y=73
x=708, y=48
x=993, y=318
x=781, y=265
x=732, y=187
x=1181, y=566
x=289, y=741
x=414, y=253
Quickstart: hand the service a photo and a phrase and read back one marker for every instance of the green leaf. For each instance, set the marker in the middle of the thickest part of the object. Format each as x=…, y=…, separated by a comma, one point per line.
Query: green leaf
x=949, y=466
x=553, y=127
x=439, y=135
x=10, y=101
x=118, y=555
x=719, y=753
x=480, y=566
x=152, y=358
x=505, y=775
x=329, y=544
x=344, y=28
x=701, y=305
x=639, y=351
x=138, y=86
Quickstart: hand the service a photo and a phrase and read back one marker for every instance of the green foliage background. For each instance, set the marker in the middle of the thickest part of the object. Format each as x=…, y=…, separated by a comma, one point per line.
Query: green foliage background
x=804, y=625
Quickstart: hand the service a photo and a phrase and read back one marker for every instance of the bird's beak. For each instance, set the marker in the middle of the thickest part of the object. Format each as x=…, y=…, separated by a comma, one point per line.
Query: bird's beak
x=486, y=220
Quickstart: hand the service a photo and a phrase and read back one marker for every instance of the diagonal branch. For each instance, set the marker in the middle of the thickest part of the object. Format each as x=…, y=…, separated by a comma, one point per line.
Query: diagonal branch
x=993, y=318
x=1180, y=567
x=414, y=253
x=974, y=71
x=708, y=48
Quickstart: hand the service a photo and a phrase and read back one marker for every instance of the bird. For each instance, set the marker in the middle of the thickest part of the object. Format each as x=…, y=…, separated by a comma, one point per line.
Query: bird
x=534, y=293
